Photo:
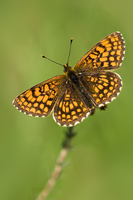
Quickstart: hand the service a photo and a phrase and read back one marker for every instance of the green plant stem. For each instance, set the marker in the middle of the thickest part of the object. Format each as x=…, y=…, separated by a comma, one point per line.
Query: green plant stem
x=59, y=165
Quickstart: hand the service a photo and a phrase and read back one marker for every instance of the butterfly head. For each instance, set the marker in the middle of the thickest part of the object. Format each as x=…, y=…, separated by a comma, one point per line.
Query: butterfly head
x=66, y=68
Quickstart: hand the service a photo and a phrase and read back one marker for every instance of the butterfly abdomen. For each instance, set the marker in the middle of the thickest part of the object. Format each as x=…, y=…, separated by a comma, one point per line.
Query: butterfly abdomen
x=77, y=85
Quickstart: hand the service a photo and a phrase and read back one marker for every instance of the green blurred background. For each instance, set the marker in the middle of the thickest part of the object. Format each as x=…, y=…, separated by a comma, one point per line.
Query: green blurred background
x=100, y=167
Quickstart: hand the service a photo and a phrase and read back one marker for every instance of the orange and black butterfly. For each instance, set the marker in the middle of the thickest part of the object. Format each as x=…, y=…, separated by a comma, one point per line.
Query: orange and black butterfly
x=75, y=94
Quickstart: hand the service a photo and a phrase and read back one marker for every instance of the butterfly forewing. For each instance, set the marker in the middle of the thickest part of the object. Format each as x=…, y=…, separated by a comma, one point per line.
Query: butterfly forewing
x=41, y=98
x=105, y=55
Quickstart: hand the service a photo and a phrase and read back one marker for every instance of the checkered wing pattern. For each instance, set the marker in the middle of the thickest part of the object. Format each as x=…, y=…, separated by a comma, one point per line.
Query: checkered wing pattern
x=70, y=109
x=39, y=100
x=74, y=95
x=105, y=55
x=102, y=87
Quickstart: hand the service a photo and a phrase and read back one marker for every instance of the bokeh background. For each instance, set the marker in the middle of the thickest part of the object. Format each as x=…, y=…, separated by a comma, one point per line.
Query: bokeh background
x=100, y=166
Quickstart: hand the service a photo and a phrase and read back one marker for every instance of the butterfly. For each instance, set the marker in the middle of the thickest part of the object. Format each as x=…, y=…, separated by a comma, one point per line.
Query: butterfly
x=75, y=94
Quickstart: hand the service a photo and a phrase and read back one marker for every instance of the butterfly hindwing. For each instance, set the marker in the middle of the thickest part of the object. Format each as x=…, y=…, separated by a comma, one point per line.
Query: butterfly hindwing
x=102, y=87
x=70, y=109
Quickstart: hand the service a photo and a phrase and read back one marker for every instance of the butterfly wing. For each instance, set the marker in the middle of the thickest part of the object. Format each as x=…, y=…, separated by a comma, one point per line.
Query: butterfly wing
x=39, y=100
x=102, y=87
x=70, y=109
x=105, y=55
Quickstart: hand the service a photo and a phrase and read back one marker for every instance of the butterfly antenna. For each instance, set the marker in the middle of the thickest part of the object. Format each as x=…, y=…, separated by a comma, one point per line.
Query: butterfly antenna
x=69, y=51
x=51, y=60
